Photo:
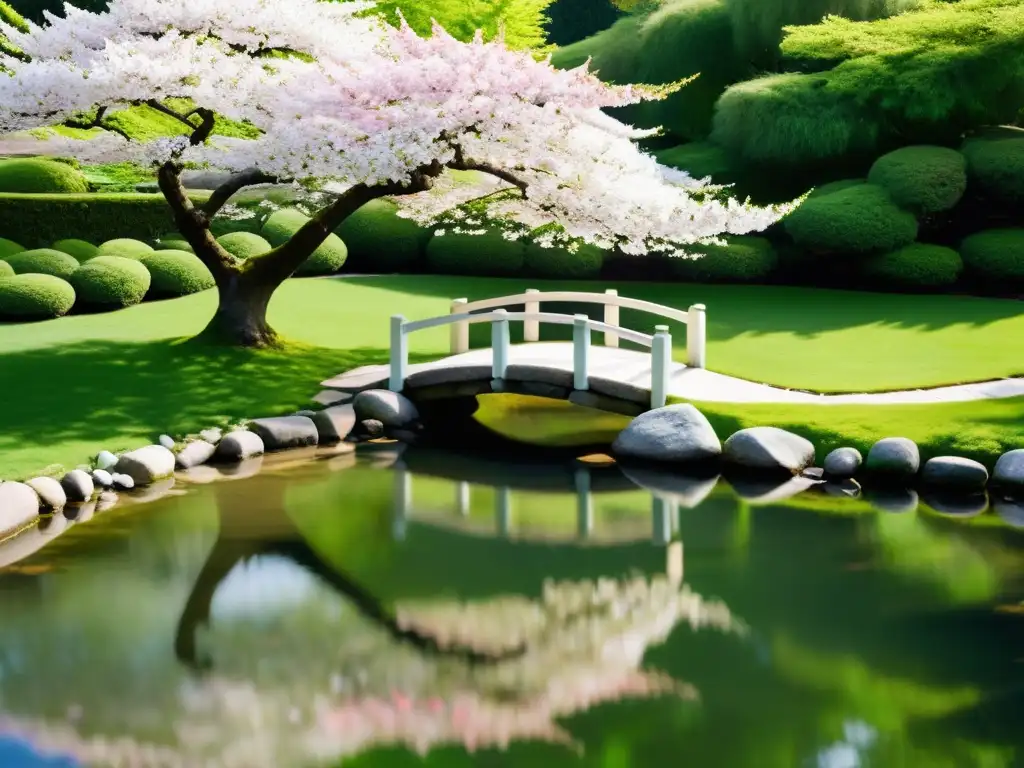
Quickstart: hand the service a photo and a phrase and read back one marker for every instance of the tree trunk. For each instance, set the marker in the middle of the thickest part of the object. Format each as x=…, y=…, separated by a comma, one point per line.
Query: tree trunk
x=241, y=317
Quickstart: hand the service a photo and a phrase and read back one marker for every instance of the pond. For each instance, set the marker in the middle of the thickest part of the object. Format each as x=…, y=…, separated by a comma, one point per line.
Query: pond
x=448, y=610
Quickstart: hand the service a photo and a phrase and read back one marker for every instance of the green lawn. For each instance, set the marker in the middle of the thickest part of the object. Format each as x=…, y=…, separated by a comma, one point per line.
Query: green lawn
x=79, y=384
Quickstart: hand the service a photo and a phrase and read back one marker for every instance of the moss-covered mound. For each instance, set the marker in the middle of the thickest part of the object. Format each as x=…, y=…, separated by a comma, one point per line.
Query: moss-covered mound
x=172, y=244
x=124, y=248
x=111, y=282
x=6, y=270
x=561, y=264
x=81, y=250
x=918, y=265
x=922, y=179
x=379, y=241
x=835, y=186
x=35, y=176
x=176, y=273
x=487, y=254
x=325, y=260
x=857, y=220
x=741, y=260
x=996, y=256
x=995, y=165
x=35, y=297
x=243, y=245
x=43, y=261
x=9, y=247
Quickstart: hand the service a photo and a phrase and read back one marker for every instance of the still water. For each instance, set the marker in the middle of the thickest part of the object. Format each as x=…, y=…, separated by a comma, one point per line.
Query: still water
x=454, y=611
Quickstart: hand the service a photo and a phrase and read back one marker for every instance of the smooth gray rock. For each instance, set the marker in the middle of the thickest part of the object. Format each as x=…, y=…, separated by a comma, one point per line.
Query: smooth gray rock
x=102, y=478
x=146, y=465
x=166, y=441
x=949, y=502
x=194, y=453
x=51, y=495
x=371, y=428
x=847, y=489
x=688, y=491
x=896, y=500
x=78, y=485
x=814, y=473
x=843, y=463
x=123, y=482
x=955, y=472
x=105, y=460
x=672, y=434
x=238, y=446
x=1011, y=511
x=331, y=397
x=1009, y=469
x=335, y=423
x=212, y=435
x=758, y=491
x=358, y=379
x=769, y=448
x=19, y=506
x=283, y=432
x=389, y=408
x=894, y=457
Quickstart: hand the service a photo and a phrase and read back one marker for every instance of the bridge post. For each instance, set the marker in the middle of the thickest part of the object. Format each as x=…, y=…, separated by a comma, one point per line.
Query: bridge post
x=531, y=328
x=696, y=336
x=584, y=503
x=500, y=343
x=611, y=316
x=462, y=498
x=460, y=331
x=581, y=352
x=661, y=520
x=402, y=502
x=661, y=360
x=503, y=509
x=399, y=354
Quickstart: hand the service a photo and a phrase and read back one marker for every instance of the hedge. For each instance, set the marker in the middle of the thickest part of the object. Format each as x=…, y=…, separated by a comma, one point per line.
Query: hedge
x=489, y=254
x=172, y=244
x=922, y=179
x=35, y=297
x=561, y=264
x=38, y=220
x=743, y=259
x=918, y=265
x=111, y=282
x=325, y=260
x=176, y=273
x=379, y=241
x=80, y=249
x=37, y=176
x=996, y=255
x=995, y=165
x=244, y=245
x=858, y=220
x=43, y=261
x=6, y=270
x=125, y=248
x=9, y=247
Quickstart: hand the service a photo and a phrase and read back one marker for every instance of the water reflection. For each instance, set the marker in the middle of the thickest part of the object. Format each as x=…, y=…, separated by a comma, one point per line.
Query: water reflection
x=447, y=604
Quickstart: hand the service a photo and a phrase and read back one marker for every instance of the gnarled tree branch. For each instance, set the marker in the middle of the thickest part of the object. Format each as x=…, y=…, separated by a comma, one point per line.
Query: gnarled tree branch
x=193, y=224
x=223, y=193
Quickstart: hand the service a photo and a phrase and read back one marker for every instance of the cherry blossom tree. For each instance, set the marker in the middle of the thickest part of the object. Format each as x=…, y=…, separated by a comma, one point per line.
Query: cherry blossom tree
x=375, y=111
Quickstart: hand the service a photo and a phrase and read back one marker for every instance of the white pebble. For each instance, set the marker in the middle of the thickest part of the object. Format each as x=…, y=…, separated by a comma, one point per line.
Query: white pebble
x=102, y=478
x=167, y=442
x=105, y=460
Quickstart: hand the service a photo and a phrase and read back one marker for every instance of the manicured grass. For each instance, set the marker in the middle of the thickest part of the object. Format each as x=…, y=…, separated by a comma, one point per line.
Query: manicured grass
x=83, y=383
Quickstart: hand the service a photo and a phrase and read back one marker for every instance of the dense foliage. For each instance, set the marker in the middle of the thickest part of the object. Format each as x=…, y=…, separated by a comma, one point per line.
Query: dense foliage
x=43, y=261
x=922, y=179
x=125, y=248
x=8, y=247
x=995, y=165
x=244, y=245
x=328, y=257
x=740, y=260
x=82, y=250
x=33, y=175
x=856, y=220
x=379, y=241
x=996, y=256
x=176, y=273
x=35, y=297
x=6, y=270
x=562, y=264
x=487, y=254
x=110, y=282
x=915, y=266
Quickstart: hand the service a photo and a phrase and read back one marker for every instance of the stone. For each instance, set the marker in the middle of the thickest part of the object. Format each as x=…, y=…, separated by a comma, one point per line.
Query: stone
x=538, y=389
x=19, y=507
x=894, y=457
x=848, y=488
x=102, y=478
x=194, y=453
x=124, y=482
x=539, y=374
x=451, y=391
x=146, y=494
x=759, y=491
x=166, y=441
x=688, y=491
x=672, y=434
x=105, y=460
x=358, y=379
x=80, y=513
x=212, y=435
x=955, y=472
x=389, y=408
x=329, y=397
x=896, y=500
x=78, y=485
x=813, y=473
x=147, y=465
x=843, y=463
x=1012, y=512
x=432, y=377
x=1009, y=469
x=335, y=423
x=239, y=445
x=371, y=428
x=769, y=449
x=51, y=496
x=619, y=390
x=955, y=504
x=283, y=432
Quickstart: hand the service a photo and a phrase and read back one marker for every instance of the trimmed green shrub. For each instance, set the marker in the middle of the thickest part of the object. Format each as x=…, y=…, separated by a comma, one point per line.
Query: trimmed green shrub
x=176, y=273
x=743, y=259
x=379, y=241
x=995, y=165
x=700, y=159
x=244, y=245
x=918, y=265
x=6, y=270
x=487, y=254
x=9, y=247
x=80, y=249
x=858, y=220
x=835, y=186
x=922, y=179
x=37, y=176
x=325, y=260
x=38, y=220
x=43, y=261
x=561, y=264
x=996, y=255
x=172, y=243
x=125, y=248
x=35, y=297
x=111, y=282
